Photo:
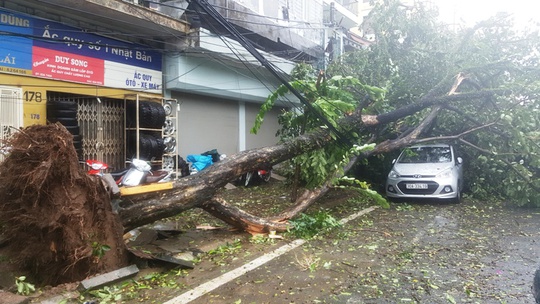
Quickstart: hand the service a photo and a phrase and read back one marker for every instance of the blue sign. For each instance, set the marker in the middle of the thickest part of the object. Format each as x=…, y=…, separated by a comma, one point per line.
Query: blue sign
x=20, y=32
x=15, y=47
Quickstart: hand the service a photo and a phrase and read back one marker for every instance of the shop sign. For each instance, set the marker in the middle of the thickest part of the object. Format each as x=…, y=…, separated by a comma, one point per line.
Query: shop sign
x=53, y=50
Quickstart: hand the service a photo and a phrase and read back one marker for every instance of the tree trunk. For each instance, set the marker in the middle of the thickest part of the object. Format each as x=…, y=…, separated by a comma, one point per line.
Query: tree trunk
x=198, y=191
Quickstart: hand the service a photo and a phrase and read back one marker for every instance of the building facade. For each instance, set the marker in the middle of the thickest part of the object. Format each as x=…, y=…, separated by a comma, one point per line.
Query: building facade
x=222, y=86
x=106, y=55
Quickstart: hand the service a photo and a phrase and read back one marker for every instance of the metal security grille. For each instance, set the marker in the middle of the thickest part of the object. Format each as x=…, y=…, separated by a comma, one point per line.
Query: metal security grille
x=102, y=128
x=101, y=123
x=11, y=114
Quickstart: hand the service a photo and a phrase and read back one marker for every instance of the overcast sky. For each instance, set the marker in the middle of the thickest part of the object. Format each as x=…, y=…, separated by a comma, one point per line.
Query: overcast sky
x=472, y=11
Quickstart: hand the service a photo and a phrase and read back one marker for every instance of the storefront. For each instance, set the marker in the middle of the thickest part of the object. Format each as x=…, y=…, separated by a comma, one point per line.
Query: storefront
x=51, y=72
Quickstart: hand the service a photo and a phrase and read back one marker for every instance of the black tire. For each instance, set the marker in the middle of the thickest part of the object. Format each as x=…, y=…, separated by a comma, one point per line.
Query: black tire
x=66, y=121
x=61, y=113
x=153, y=147
x=75, y=130
x=154, y=119
x=145, y=115
x=62, y=104
x=151, y=115
x=148, y=147
x=130, y=115
x=145, y=147
x=457, y=199
x=78, y=145
x=161, y=146
x=161, y=115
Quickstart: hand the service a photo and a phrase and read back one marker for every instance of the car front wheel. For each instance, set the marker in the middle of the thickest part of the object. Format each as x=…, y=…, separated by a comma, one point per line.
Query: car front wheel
x=457, y=199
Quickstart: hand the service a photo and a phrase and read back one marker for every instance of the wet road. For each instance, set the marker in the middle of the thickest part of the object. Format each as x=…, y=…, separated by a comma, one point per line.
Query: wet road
x=474, y=252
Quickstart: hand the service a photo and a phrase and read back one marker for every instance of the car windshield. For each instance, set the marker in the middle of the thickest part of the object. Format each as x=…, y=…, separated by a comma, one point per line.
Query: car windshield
x=426, y=155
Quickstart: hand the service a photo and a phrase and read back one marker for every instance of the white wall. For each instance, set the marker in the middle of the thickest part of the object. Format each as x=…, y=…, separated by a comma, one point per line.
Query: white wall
x=207, y=123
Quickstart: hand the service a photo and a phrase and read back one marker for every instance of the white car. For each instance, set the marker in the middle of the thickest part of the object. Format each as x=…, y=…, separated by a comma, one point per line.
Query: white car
x=426, y=171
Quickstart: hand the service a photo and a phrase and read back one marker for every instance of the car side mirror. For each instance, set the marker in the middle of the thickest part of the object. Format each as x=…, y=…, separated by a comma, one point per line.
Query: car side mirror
x=460, y=160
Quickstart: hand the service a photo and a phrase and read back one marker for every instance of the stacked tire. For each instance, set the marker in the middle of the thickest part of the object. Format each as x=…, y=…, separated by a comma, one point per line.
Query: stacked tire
x=151, y=116
x=65, y=112
x=151, y=146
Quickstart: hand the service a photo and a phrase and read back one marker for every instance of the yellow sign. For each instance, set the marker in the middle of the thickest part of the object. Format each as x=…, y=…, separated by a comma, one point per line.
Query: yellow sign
x=34, y=106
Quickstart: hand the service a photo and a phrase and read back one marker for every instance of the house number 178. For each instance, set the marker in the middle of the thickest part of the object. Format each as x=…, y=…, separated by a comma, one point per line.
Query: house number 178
x=32, y=96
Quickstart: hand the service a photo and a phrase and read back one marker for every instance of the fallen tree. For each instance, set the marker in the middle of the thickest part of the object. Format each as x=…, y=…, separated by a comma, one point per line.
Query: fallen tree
x=487, y=105
x=197, y=191
x=477, y=89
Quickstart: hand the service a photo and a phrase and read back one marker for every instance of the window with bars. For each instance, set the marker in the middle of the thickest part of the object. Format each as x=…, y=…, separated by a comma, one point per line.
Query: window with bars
x=11, y=114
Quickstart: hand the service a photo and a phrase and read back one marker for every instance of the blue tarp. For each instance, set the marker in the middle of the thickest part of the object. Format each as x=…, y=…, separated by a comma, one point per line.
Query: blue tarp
x=199, y=162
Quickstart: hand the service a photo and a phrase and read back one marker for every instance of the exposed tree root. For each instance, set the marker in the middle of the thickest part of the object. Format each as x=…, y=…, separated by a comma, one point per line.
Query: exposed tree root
x=58, y=219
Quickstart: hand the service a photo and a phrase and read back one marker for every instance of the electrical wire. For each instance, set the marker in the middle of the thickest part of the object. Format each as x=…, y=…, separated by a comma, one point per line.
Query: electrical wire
x=148, y=37
x=203, y=4
x=243, y=60
x=320, y=25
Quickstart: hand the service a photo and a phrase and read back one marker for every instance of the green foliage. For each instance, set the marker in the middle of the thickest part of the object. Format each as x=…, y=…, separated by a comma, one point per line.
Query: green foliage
x=333, y=98
x=261, y=239
x=136, y=288
x=222, y=253
x=416, y=59
x=306, y=226
x=309, y=262
x=99, y=250
x=364, y=188
x=404, y=207
x=415, y=56
x=108, y=294
x=226, y=249
x=157, y=280
x=24, y=288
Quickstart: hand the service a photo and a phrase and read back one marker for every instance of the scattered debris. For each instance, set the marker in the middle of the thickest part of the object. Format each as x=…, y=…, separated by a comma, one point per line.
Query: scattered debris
x=108, y=278
x=145, y=258
x=144, y=237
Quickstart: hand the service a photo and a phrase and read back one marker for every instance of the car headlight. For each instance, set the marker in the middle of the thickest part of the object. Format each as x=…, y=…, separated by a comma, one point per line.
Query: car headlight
x=393, y=174
x=445, y=173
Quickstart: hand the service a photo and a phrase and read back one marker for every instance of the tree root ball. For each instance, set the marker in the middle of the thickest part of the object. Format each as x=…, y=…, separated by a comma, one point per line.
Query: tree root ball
x=58, y=219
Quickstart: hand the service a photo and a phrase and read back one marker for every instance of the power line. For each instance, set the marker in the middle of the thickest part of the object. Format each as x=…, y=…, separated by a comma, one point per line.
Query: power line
x=243, y=60
x=151, y=38
x=205, y=6
x=322, y=25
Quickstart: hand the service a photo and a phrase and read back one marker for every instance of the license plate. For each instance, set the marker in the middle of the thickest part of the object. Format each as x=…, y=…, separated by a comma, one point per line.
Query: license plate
x=416, y=186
